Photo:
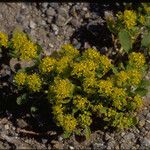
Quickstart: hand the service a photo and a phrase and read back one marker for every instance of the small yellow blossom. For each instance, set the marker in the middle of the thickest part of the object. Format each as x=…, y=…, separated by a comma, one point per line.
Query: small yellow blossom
x=105, y=87
x=85, y=68
x=85, y=119
x=20, y=78
x=138, y=101
x=142, y=19
x=69, y=50
x=47, y=65
x=92, y=54
x=118, y=93
x=136, y=60
x=89, y=83
x=121, y=78
x=3, y=39
x=69, y=123
x=34, y=82
x=63, y=64
x=62, y=88
x=23, y=46
x=80, y=102
x=58, y=109
x=105, y=64
x=129, y=18
x=135, y=77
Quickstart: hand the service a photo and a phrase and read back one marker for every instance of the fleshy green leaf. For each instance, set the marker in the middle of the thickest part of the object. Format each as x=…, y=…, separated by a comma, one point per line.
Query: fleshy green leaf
x=146, y=40
x=22, y=99
x=125, y=40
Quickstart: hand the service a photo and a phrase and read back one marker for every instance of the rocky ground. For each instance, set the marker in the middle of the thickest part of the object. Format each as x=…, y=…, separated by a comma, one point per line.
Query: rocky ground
x=51, y=25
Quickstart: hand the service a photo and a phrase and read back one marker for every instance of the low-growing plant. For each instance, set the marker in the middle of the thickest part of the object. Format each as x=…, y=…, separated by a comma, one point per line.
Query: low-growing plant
x=131, y=28
x=81, y=85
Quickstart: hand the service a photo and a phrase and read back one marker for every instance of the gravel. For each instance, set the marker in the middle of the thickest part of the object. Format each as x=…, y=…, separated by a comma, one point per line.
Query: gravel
x=51, y=25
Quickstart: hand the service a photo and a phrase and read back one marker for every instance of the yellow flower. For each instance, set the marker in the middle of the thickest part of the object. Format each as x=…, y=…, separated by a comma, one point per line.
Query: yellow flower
x=89, y=83
x=58, y=109
x=62, y=88
x=105, y=64
x=20, y=78
x=105, y=87
x=129, y=18
x=47, y=65
x=122, y=78
x=23, y=46
x=80, y=102
x=69, y=123
x=69, y=50
x=63, y=64
x=138, y=101
x=34, y=82
x=3, y=39
x=142, y=19
x=136, y=60
x=135, y=77
x=118, y=93
x=85, y=119
x=92, y=54
x=85, y=68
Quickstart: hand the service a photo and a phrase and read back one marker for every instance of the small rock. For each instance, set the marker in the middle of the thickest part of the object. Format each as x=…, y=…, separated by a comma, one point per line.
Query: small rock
x=148, y=117
x=60, y=138
x=60, y=20
x=44, y=5
x=32, y=24
x=129, y=136
x=21, y=123
x=145, y=142
x=141, y=123
x=71, y=147
x=54, y=5
x=55, y=29
x=107, y=136
x=50, y=12
x=6, y=126
x=44, y=141
x=63, y=12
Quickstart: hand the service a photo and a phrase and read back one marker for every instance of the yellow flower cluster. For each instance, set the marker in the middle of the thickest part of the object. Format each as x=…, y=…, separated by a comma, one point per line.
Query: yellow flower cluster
x=105, y=87
x=62, y=88
x=136, y=60
x=69, y=50
x=92, y=54
x=34, y=82
x=58, y=109
x=63, y=64
x=118, y=94
x=20, y=78
x=47, y=65
x=138, y=101
x=23, y=46
x=89, y=83
x=85, y=68
x=121, y=78
x=129, y=18
x=69, y=123
x=3, y=39
x=85, y=119
x=80, y=102
x=135, y=77
x=105, y=63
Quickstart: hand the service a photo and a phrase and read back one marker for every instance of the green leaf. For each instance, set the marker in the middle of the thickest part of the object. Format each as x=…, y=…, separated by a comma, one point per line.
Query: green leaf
x=33, y=109
x=66, y=134
x=114, y=70
x=146, y=40
x=141, y=91
x=22, y=99
x=125, y=40
x=87, y=132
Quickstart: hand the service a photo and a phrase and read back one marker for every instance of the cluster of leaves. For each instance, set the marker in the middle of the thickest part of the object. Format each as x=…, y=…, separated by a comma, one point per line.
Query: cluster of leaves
x=131, y=28
x=81, y=85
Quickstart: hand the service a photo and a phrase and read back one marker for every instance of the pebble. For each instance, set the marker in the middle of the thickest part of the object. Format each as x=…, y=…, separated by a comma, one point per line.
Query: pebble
x=55, y=29
x=32, y=24
x=60, y=20
x=50, y=12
